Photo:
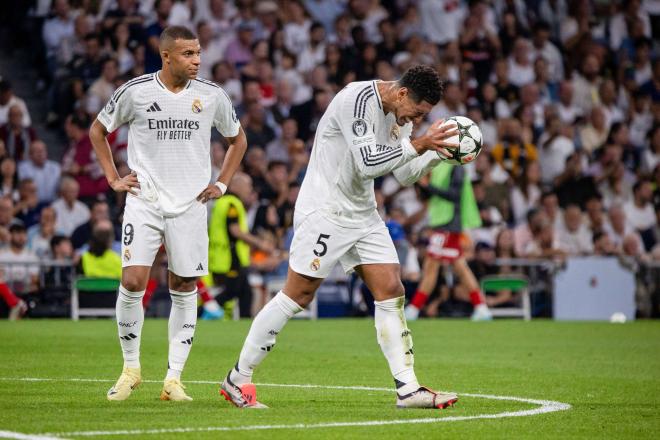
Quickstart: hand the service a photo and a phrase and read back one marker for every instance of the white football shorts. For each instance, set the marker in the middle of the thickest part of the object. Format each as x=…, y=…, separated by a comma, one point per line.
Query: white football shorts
x=185, y=237
x=318, y=244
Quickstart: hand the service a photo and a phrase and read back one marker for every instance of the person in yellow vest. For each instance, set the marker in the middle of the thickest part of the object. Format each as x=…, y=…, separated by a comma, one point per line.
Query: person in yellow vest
x=229, y=244
x=100, y=260
x=451, y=210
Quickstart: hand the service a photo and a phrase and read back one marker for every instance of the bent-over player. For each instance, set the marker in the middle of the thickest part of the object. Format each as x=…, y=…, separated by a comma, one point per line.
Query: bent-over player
x=364, y=134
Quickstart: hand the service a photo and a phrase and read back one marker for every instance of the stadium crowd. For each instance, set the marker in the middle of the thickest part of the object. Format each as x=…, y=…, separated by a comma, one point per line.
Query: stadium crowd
x=567, y=94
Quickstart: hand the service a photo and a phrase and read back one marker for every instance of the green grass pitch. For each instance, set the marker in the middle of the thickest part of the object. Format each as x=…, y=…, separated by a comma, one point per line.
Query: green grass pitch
x=608, y=373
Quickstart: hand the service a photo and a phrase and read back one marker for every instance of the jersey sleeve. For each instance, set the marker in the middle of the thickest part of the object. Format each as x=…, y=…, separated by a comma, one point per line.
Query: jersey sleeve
x=371, y=160
x=118, y=110
x=225, y=119
x=411, y=172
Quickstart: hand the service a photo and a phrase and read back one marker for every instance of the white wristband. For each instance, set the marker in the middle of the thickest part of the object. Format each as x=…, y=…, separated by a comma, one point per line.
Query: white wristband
x=222, y=187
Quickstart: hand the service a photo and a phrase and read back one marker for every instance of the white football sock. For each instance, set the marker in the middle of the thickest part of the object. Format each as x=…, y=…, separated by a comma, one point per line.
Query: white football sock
x=395, y=341
x=261, y=338
x=181, y=329
x=130, y=317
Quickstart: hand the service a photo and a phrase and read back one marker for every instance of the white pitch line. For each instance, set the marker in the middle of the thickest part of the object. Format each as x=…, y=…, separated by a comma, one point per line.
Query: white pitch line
x=545, y=406
x=21, y=436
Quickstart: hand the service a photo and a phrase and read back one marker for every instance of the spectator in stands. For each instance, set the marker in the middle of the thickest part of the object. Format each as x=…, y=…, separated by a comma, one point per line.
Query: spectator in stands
x=100, y=211
x=257, y=131
x=618, y=226
x=595, y=219
x=640, y=212
x=6, y=219
x=526, y=193
x=511, y=152
x=102, y=89
x=603, y=245
x=615, y=188
x=70, y=211
x=587, y=83
x=44, y=172
x=100, y=260
x=521, y=66
x=80, y=160
x=594, y=134
x=86, y=68
x=59, y=27
x=152, y=33
x=573, y=186
x=568, y=112
x=238, y=51
x=212, y=48
x=22, y=271
x=555, y=146
x=8, y=100
x=524, y=234
x=9, y=178
x=544, y=244
x=16, y=136
x=574, y=238
x=551, y=209
x=28, y=207
x=40, y=235
x=542, y=47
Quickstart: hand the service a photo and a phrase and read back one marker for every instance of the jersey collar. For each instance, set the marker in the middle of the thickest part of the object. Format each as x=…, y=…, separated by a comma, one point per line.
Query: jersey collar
x=162, y=86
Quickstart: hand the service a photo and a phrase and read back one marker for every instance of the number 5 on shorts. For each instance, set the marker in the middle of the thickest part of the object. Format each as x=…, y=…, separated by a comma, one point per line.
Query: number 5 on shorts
x=324, y=246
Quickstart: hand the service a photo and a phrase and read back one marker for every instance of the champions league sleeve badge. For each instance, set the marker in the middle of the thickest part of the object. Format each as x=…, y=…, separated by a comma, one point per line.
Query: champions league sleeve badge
x=359, y=127
x=110, y=107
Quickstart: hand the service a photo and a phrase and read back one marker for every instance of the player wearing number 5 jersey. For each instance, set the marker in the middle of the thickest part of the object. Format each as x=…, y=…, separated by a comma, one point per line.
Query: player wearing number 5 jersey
x=364, y=133
x=170, y=115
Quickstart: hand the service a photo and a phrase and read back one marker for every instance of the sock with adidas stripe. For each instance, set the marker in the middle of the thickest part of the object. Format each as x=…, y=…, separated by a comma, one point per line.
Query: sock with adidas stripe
x=130, y=317
x=181, y=330
x=396, y=343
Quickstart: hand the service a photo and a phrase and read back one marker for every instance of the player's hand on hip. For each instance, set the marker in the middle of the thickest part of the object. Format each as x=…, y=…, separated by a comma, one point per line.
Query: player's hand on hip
x=127, y=183
x=437, y=136
x=211, y=192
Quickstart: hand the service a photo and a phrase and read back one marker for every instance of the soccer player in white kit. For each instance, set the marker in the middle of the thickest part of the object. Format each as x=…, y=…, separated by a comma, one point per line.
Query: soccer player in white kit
x=364, y=133
x=170, y=115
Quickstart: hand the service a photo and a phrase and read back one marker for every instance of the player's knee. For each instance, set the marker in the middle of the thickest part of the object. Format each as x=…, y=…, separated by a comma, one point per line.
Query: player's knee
x=183, y=284
x=390, y=289
x=132, y=282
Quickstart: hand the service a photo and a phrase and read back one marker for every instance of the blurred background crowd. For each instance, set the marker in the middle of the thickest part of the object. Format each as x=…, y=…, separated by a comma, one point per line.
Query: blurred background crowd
x=567, y=94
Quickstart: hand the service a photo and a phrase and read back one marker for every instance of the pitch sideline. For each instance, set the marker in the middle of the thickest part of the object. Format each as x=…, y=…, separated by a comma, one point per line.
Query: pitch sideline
x=545, y=406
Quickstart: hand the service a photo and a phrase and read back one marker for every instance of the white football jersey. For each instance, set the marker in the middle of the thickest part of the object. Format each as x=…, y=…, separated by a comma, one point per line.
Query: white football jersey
x=355, y=142
x=169, y=136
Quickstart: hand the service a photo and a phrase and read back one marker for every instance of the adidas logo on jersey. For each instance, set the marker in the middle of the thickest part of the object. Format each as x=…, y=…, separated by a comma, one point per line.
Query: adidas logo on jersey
x=154, y=108
x=200, y=267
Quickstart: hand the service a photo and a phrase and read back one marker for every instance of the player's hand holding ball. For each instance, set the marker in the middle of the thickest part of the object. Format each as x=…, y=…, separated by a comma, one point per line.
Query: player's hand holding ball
x=467, y=139
x=438, y=138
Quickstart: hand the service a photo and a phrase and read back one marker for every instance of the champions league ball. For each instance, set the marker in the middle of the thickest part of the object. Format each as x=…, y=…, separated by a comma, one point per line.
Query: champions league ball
x=469, y=140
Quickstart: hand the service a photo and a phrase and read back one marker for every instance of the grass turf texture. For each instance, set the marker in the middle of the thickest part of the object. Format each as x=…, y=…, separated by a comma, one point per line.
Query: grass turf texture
x=608, y=373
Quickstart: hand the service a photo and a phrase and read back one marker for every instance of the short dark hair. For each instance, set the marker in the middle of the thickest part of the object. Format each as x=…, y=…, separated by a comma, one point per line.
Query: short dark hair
x=176, y=33
x=56, y=240
x=423, y=83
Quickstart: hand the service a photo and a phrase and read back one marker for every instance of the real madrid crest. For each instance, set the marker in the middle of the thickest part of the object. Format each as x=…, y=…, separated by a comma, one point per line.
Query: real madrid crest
x=197, y=106
x=315, y=265
x=395, y=131
x=127, y=255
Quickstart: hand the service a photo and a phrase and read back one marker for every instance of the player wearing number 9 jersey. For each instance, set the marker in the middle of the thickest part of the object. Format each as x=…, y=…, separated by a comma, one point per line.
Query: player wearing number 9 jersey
x=364, y=133
x=170, y=115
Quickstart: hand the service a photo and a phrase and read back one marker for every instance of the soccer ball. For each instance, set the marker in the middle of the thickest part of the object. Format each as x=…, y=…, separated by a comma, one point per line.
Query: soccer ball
x=469, y=140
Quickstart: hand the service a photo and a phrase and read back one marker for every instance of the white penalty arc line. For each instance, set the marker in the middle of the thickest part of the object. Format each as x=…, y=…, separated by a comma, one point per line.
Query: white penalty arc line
x=544, y=406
